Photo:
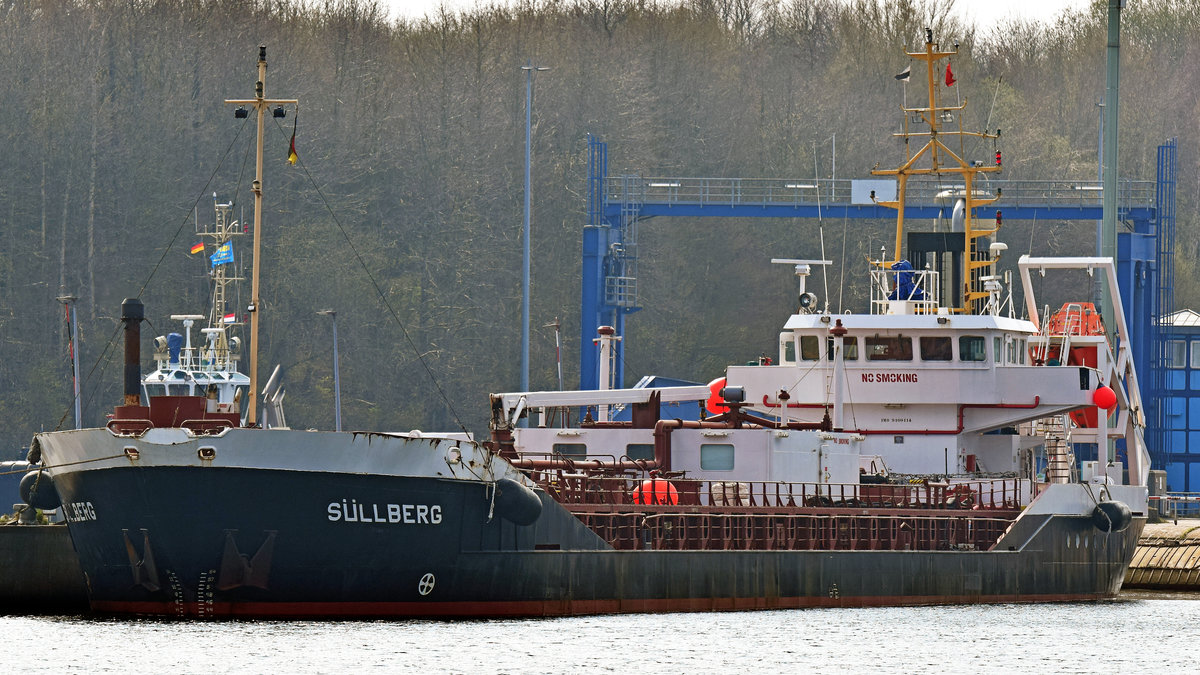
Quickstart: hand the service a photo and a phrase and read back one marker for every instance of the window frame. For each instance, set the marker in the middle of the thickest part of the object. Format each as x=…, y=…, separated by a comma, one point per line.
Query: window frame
x=982, y=349
x=1177, y=348
x=706, y=463
x=903, y=342
x=932, y=345
x=809, y=344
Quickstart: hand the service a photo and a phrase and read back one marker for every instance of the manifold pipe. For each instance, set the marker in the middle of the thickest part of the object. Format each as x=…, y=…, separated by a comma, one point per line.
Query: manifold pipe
x=662, y=437
x=132, y=313
x=662, y=445
x=662, y=451
x=552, y=464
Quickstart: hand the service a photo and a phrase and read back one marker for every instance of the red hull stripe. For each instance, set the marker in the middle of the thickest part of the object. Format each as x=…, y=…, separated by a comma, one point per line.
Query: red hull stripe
x=528, y=608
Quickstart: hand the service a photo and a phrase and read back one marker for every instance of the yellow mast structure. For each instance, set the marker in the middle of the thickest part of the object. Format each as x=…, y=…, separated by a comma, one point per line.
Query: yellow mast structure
x=939, y=159
x=260, y=104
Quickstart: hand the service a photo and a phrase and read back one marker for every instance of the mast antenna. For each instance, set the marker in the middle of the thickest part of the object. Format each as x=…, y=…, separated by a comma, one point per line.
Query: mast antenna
x=261, y=104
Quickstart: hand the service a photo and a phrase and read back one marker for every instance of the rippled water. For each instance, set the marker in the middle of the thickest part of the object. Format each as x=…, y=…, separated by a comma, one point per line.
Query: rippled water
x=1141, y=632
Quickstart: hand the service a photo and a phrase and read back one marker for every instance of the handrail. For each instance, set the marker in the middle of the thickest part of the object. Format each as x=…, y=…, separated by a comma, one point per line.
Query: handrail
x=833, y=192
x=207, y=425
x=582, y=488
x=145, y=425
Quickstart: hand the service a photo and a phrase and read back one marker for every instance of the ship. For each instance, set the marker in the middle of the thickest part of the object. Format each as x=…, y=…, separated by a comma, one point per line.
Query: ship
x=921, y=452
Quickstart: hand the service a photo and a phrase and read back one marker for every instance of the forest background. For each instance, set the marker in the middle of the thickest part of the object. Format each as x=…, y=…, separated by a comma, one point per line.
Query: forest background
x=116, y=136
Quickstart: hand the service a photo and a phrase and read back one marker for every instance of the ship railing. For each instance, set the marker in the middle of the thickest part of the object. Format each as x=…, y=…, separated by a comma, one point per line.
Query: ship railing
x=132, y=427
x=1177, y=504
x=639, y=489
x=905, y=291
x=796, y=532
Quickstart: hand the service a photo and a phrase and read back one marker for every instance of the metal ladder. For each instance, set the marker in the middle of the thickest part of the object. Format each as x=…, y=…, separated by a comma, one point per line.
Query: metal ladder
x=1073, y=325
x=1060, y=456
x=620, y=282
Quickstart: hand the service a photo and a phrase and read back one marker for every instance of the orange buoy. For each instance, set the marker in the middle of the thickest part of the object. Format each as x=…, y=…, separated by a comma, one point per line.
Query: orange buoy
x=716, y=403
x=1104, y=398
x=656, y=491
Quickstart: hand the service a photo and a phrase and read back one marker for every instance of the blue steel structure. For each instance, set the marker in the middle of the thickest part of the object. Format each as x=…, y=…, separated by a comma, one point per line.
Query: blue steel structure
x=616, y=205
x=1174, y=419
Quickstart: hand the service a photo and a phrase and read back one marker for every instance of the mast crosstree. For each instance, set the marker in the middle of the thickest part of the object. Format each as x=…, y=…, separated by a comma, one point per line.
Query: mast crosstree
x=260, y=104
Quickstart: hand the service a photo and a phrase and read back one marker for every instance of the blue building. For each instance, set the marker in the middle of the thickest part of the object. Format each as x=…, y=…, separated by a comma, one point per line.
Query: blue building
x=1180, y=456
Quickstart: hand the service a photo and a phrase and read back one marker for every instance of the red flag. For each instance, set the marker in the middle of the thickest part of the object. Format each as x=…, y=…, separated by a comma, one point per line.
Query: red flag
x=950, y=81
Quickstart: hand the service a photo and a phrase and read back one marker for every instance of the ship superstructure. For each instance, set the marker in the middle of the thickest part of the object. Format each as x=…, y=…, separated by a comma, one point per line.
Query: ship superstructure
x=208, y=368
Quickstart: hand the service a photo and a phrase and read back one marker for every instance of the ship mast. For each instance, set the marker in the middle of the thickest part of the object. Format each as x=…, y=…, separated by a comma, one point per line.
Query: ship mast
x=260, y=104
x=938, y=159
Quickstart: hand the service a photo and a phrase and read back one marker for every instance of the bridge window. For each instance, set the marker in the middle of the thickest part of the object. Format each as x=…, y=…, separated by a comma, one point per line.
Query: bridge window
x=789, y=351
x=937, y=349
x=1021, y=352
x=644, y=451
x=997, y=351
x=716, y=457
x=972, y=348
x=849, y=348
x=571, y=450
x=1196, y=354
x=889, y=348
x=810, y=347
x=179, y=389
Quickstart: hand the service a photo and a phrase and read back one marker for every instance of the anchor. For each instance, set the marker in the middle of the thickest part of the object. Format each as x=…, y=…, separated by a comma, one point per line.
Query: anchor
x=145, y=573
x=238, y=570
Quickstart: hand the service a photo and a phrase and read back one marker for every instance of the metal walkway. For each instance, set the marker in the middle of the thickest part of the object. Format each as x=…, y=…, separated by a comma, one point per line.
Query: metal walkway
x=791, y=198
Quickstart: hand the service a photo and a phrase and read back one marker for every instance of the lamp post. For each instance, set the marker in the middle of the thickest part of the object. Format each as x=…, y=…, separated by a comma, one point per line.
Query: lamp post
x=833, y=170
x=337, y=383
x=529, y=69
x=69, y=302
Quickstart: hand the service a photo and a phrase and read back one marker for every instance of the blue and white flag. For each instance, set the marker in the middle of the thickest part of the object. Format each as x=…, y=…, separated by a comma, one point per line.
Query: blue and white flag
x=224, y=254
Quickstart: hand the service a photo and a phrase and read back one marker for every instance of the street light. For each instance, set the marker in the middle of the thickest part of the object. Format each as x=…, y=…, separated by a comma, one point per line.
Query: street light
x=337, y=383
x=529, y=69
x=69, y=302
x=833, y=170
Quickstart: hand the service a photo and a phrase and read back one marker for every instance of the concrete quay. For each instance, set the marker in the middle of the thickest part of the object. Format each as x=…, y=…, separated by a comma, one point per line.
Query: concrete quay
x=1167, y=557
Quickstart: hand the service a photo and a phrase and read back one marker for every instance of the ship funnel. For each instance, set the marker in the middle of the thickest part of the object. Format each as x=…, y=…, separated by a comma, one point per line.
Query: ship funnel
x=132, y=313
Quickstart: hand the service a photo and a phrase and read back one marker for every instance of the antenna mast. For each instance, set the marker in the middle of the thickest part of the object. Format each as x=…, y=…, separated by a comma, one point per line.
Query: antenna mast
x=933, y=122
x=260, y=104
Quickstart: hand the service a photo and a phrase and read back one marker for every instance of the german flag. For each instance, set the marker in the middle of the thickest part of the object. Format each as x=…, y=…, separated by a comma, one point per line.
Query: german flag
x=198, y=247
x=292, y=156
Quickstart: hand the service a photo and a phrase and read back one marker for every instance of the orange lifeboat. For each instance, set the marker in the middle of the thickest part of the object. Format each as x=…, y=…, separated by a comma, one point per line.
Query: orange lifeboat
x=1075, y=319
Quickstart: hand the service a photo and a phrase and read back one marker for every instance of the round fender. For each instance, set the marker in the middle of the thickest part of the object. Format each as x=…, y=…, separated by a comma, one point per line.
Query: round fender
x=656, y=491
x=1111, y=516
x=37, y=490
x=516, y=503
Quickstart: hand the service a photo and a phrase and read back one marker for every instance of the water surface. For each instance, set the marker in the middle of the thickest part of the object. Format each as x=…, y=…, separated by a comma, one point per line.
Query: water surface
x=1138, y=633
